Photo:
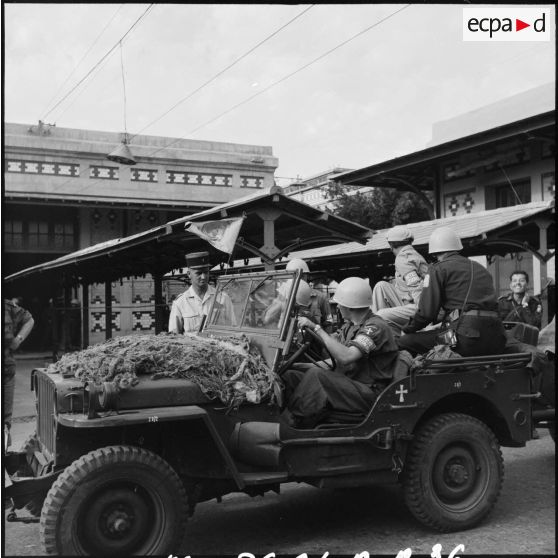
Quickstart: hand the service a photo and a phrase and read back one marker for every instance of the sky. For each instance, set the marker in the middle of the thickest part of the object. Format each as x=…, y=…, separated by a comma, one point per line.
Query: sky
x=373, y=98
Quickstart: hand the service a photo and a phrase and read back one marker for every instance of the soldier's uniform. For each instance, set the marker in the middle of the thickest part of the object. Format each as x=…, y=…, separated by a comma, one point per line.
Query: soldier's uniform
x=14, y=319
x=188, y=310
x=478, y=328
x=397, y=303
x=314, y=392
x=528, y=311
x=320, y=310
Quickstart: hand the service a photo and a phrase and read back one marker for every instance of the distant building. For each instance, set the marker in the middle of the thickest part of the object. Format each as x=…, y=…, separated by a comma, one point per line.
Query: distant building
x=61, y=194
x=499, y=155
x=312, y=190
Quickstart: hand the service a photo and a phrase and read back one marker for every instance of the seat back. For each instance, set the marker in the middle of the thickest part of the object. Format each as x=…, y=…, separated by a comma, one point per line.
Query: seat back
x=524, y=333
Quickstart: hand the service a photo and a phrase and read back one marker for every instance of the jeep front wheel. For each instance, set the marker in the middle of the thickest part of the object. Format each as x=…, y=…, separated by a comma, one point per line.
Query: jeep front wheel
x=453, y=472
x=115, y=501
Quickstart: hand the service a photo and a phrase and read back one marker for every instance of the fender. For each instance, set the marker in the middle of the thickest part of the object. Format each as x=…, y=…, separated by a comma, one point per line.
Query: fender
x=113, y=419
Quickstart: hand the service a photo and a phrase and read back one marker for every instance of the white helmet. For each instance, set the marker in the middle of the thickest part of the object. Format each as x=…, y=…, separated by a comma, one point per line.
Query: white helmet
x=444, y=239
x=297, y=263
x=399, y=233
x=353, y=292
x=303, y=294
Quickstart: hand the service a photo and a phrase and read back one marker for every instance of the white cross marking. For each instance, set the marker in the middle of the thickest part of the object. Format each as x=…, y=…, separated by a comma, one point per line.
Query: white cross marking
x=400, y=393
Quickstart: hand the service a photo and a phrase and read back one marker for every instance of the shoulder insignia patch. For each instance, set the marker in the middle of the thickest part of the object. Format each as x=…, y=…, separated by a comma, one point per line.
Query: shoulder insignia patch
x=371, y=330
x=365, y=343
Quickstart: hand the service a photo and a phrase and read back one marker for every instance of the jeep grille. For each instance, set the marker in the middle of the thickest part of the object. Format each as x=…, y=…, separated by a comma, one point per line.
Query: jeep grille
x=46, y=398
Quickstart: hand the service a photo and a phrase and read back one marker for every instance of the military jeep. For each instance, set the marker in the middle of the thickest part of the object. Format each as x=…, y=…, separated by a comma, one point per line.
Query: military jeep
x=119, y=473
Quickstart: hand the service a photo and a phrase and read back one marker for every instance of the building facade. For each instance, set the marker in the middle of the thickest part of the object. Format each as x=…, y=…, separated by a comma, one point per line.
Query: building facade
x=499, y=155
x=62, y=194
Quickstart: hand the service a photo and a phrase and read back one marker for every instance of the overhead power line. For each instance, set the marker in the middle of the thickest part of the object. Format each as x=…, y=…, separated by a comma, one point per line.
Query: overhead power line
x=83, y=57
x=285, y=78
x=110, y=51
x=269, y=87
x=191, y=94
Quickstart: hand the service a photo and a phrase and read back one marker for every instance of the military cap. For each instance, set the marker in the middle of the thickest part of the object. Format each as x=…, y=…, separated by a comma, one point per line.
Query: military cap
x=197, y=260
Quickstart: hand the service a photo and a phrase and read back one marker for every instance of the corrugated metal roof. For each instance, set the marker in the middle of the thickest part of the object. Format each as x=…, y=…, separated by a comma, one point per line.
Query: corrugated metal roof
x=468, y=227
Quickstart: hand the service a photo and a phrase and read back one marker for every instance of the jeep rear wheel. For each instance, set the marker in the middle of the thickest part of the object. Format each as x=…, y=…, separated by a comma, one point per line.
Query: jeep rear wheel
x=119, y=500
x=453, y=472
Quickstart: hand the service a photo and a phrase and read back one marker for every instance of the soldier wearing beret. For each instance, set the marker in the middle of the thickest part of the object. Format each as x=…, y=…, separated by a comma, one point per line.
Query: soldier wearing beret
x=191, y=306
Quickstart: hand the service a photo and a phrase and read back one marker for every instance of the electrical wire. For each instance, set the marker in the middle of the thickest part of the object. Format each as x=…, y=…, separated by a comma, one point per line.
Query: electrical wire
x=343, y=43
x=124, y=90
x=284, y=78
x=83, y=57
x=110, y=51
x=197, y=90
x=69, y=105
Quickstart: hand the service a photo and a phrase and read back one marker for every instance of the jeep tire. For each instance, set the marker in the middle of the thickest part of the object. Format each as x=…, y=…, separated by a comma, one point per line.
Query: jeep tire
x=115, y=501
x=453, y=472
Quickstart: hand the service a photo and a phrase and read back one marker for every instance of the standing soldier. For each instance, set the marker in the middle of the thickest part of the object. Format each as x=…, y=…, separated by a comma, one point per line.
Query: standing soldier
x=464, y=290
x=188, y=310
x=18, y=323
x=397, y=302
x=518, y=306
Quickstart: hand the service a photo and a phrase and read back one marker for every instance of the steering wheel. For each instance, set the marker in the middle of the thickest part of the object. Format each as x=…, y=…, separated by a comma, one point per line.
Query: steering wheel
x=303, y=351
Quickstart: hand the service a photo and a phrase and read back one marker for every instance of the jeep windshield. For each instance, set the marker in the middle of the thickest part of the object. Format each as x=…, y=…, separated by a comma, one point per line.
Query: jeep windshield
x=246, y=302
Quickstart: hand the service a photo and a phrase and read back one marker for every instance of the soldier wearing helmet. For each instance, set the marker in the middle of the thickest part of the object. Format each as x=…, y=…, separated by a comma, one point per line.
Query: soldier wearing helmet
x=463, y=289
x=365, y=352
x=319, y=309
x=397, y=302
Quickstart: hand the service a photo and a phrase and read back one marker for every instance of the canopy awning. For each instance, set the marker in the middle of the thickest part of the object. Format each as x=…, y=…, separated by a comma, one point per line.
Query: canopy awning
x=416, y=171
x=274, y=224
x=492, y=232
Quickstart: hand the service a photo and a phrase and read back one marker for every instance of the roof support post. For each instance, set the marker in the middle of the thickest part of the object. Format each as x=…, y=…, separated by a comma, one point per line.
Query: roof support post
x=268, y=216
x=438, y=191
x=66, y=312
x=158, y=292
x=84, y=315
x=108, y=310
x=543, y=225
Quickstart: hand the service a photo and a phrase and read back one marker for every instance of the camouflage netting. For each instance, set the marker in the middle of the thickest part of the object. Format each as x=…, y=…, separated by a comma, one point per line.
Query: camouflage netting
x=230, y=370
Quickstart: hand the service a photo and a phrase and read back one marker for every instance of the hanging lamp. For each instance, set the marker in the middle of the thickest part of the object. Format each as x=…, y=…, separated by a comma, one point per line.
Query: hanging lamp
x=122, y=153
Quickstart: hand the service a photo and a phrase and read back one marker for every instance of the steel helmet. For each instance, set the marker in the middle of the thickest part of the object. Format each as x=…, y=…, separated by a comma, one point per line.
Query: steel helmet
x=399, y=234
x=297, y=263
x=353, y=292
x=444, y=239
x=303, y=294
x=332, y=287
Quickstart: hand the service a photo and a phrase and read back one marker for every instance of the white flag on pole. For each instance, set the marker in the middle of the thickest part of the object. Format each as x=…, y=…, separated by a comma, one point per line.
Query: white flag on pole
x=222, y=233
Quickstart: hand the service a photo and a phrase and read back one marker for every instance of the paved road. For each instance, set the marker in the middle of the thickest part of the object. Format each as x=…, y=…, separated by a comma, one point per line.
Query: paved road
x=306, y=519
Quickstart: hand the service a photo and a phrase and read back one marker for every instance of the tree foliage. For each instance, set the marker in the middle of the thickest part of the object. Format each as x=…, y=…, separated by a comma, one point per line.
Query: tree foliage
x=377, y=208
